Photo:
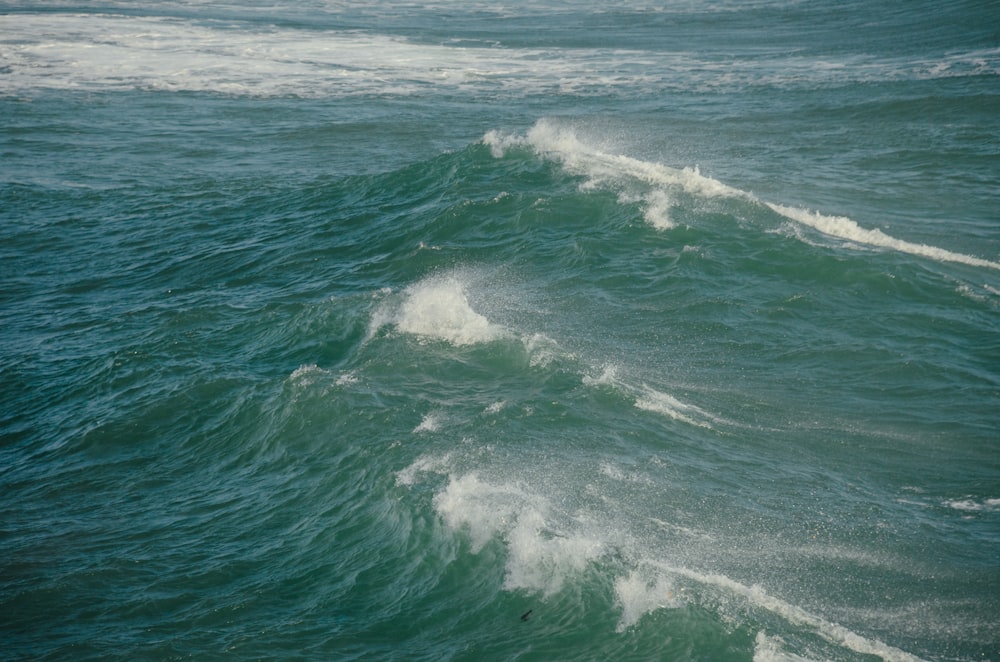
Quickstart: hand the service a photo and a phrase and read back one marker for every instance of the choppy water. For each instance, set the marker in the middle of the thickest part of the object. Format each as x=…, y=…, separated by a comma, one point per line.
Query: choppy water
x=458, y=331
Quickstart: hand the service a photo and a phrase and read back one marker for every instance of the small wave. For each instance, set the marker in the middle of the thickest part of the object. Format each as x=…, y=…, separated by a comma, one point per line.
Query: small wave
x=546, y=548
x=423, y=465
x=653, y=183
x=756, y=596
x=844, y=228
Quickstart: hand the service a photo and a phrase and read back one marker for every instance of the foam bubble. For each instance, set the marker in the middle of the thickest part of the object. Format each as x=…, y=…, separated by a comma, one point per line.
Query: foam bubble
x=439, y=308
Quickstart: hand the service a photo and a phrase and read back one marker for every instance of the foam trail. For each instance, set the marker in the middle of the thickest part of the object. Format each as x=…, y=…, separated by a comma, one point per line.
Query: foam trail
x=666, y=404
x=603, y=169
x=652, y=400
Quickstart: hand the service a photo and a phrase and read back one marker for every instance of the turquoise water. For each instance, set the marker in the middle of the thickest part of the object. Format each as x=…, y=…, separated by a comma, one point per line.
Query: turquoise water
x=549, y=331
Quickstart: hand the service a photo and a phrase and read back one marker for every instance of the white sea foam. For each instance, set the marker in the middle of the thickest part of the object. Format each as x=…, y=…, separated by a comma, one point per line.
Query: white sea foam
x=651, y=399
x=541, y=349
x=346, y=378
x=541, y=559
x=561, y=144
x=496, y=407
x=484, y=510
x=438, y=307
x=657, y=210
x=305, y=375
x=607, y=377
x=974, y=505
x=252, y=57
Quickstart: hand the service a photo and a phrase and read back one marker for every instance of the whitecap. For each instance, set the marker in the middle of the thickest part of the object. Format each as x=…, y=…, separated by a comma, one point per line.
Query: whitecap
x=438, y=307
x=429, y=423
x=842, y=227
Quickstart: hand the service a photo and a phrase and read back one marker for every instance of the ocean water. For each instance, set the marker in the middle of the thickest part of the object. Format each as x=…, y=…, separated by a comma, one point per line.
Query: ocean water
x=540, y=330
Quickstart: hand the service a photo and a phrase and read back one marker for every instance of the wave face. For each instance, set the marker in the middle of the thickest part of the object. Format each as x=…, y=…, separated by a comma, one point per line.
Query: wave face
x=457, y=331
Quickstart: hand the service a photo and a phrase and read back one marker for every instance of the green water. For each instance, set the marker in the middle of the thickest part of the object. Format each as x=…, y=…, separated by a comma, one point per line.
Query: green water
x=326, y=334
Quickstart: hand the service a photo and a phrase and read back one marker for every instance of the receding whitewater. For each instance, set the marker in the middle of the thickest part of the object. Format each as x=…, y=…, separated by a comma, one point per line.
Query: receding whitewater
x=541, y=332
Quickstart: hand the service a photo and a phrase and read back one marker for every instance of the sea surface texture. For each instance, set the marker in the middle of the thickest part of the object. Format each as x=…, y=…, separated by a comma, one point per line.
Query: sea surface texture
x=464, y=330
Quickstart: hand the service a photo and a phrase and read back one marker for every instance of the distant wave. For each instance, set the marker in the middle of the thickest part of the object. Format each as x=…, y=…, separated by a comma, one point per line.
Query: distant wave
x=109, y=51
